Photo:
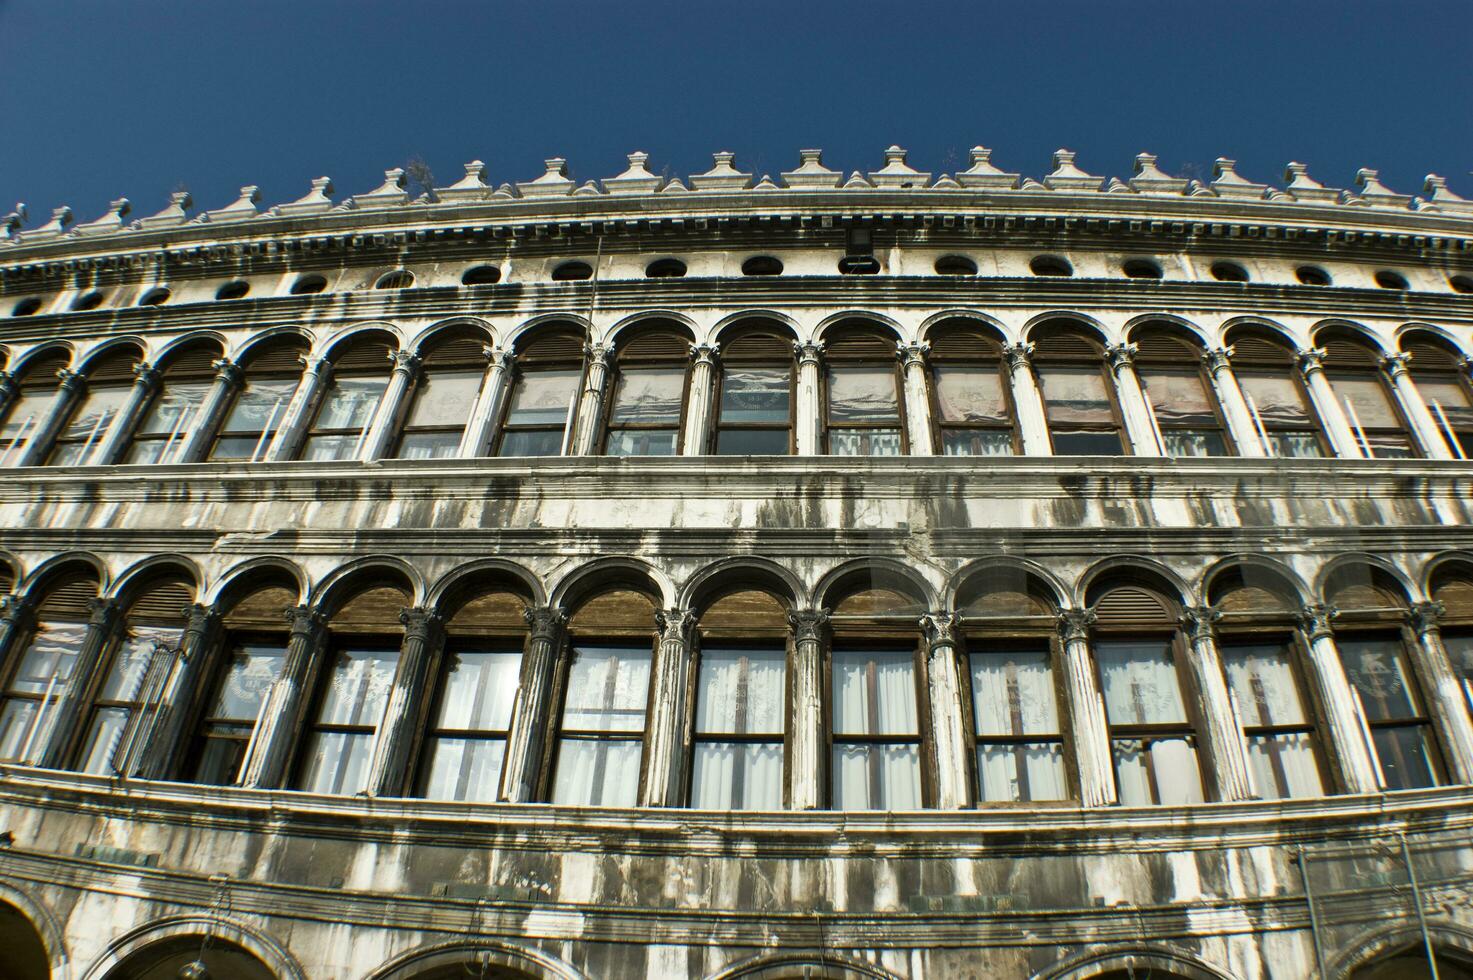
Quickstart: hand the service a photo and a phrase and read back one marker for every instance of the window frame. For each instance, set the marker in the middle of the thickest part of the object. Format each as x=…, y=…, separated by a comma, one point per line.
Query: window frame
x=1378, y=627
x=100, y=434
x=1146, y=364
x=43, y=700
x=335, y=373
x=863, y=360
x=879, y=634
x=264, y=437
x=940, y=427
x=617, y=367
x=32, y=383
x=200, y=732
x=522, y=363
x=1266, y=368
x=328, y=648
x=478, y=641
x=1374, y=372
x=1100, y=362
x=773, y=641
x=424, y=377
x=1454, y=376
x=719, y=387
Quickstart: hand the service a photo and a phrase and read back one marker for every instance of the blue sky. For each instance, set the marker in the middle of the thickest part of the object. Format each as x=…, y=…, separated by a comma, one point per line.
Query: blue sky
x=132, y=98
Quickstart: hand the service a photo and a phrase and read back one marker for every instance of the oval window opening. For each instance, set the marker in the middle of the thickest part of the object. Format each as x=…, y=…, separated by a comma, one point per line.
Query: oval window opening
x=665, y=269
x=88, y=301
x=762, y=265
x=1142, y=269
x=1461, y=284
x=398, y=279
x=1050, y=265
x=155, y=297
x=27, y=306
x=1387, y=279
x=955, y=265
x=1312, y=275
x=309, y=284
x=1229, y=272
x=859, y=265
x=233, y=290
x=570, y=271
x=481, y=275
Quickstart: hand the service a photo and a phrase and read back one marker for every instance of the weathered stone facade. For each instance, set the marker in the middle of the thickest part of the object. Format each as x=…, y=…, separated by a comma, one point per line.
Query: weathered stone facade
x=1148, y=496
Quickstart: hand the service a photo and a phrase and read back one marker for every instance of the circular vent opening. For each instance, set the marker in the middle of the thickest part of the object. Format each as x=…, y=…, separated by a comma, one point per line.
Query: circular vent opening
x=27, y=306
x=88, y=301
x=665, y=269
x=1229, y=272
x=398, y=279
x=1461, y=284
x=155, y=297
x=233, y=290
x=1050, y=265
x=1141, y=269
x=1312, y=275
x=569, y=271
x=762, y=265
x=481, y=275
x=858, y=265
x=309, y=284
x=955, y=265
x=1387, y=279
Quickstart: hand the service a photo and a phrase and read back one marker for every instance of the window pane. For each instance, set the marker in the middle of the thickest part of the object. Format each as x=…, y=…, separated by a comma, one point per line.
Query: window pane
x=174, y=403
x=972, y=393
x=874, y=693
x=1460, y=651
x=608, y=688
x=648, y=396
x=1075, y=395
x=1261, y=679
x=755, y=394
x=1284, y=766
x=1295, y=445
x=1405, y=757
x=103, y=739
x=219, y=762
x=597, y=772
x=26, y=414
x=1448, y=395
x=1370, y=400
x=543, y=398
x=1188, y=442
x=228, y=448
x=350, y=403
x=98, y=411
x=1388, y=446
x=1179, y=397
x=741, y=691
x=523, y=443
x=1165, y=767
x=16, y=718
x=260, y=406
x=1022, y=771
x=51, y=654
x=752, y=442
x=862, y=394
x=124, y=680
x=864, y=442
x=976, y=442
x=253, y=668
x=337, y=762
x=737, y=776
x=642, y=442
x=1013, y=693
x=1379, y=672
x=1140, y=683
x=324, y=449
x=1069, y=442
x=359, y=687
x=479, y=689
x=465, y=769
x=429, y=445
x=1276, y=398
x=877, y=777
x=444, y=398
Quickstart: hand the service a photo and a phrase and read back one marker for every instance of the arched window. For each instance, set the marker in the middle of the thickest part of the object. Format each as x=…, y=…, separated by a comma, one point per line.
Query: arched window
x=354, y=679
x=1179, y=393
x=648, y=394
x=25, y=951
x=755, y=407
x=1354, y=371
x=398, y=279
x=741, y=705
x=253, y=649
x=1013, y=669
x=450, y=379
x=1264, y=366
x=1452, y=585
x=465, y=746
x=170, y=958
x=1078, y=392
x=875, y=707
x=1371, y=636
x=119, y=722
x=271, y=371
x=360, y=373
x=1443, y=384
x=1263, y=660
x=40, y=668
x=970, y=404
x=109, y=382
x=863, y=408
x=1153, y=737
x=544, y=396
x=606, y=693
x=185, y=379
x=37, y=389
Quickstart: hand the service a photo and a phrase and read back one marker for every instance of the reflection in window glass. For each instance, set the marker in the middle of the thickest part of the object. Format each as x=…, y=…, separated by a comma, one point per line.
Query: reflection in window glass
x=89, y=425
x=253, y=419
x=540, y=410
x=1281, y=414
x=876, y=733
x=755, y=412
x=438, y=415
x=1184, y=411
x=1077, y=402
x=340, y=745
x=1154, y=746
x=27, y=710
x=161, y=432
x=120, y=697
x=346, y=411
x=644, y=419
x=1020, y=751
x=1381, y=675
x=467, y=742
x=738, y=761
x=600, y=743
x=1452, y=407
x=972, y=410
x=27, y=413
x=1266, y=696
x=230, y=719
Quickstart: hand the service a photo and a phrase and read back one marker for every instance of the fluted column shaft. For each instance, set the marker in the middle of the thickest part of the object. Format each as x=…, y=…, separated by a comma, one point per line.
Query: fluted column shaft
x=589, y=424
x=379, y=438
x=701, y=402
x=948, y=716
x=1092, y=757
x=1448, y=707
x=9, y=391
x=287, y=442
x=408, y=705
x=1327, y=406
x=480, y=430
x=265, y=767
x=808, y=411
x=917, y=399
x=115, y=440
x=1345, y=730
x=1027, y=401
x=54, y=750
x=184, y=695
x=38, y=443
x=1424, y=429
x=17, y=616
x=531, y=716
x=807, y=754
x=1234, y=405
x=665, y=755
x=228, y=378
x=1140, y=426
x=1222, y=734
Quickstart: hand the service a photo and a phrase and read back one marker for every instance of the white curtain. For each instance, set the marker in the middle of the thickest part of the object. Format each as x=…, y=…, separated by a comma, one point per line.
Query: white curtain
x=1022, y=771
x=1140, y=683
x=737, y=776
x=1262, y=683
x=741, y=691
x=1284, y=766
x=337, y=763
x=465, y=769
x=1173, y=772
x=1378, y=669
x=254, y=667
x=648, y=395
x=359, y=687
x=877, y=777
x=597, y=772
x=608, y=688
x=1013, y=693
x=862, y=394
x=479, y=689
x=874, y=693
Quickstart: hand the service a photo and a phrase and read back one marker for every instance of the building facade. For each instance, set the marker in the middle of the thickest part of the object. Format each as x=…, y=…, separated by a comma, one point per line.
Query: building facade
x=737, y=576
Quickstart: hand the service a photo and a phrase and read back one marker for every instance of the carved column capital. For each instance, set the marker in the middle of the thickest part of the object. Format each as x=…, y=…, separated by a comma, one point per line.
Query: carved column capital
x=675, y=624
x=1218, y=358
x=102, y=612
x=941, y=629
x=1074, y=624
x=704, y=353
x=304, y=620
x=16, y=608
x=419, y=623
x=912, y=354
x=1423, y=617
x=405, y=362
x=8, y=384
x=808, y=624
x=71, y=379
x=598, y=353
x=545, y=622
x=228, y=371
x=499, y=357
x=1121, y=356
x=145, y=375
x=1397, y=364
x=1311, y=360
x=319, y=365
x=1314, y=620
x=1200, y=622
x=1018, y=355
x=808, y=352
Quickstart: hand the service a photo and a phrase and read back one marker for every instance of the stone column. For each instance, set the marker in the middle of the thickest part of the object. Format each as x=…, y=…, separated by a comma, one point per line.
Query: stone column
x=266, y=764
x=589, y=424
x=948, y=715
x=379, y=438
x=808, y=412
x=480, y=430
x=1140, y=426
x=408, y=705
x=115, y=440
x=700, y=405
x=1447, y=705
x=808, y=762
x=17, y=616
x=38, y=443
x=1327, y=406
x=9, y=390
x=1234, y=405
x=1027, y=401
x=287, y=442
x=665, y=755
x=54, y=747
x=1346, y=735
x=531, y=715
x=1419, y=417
x=1226, y=762
x=228, y=378
x=1092, y=756
x=185, y=696
x=917, y=399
